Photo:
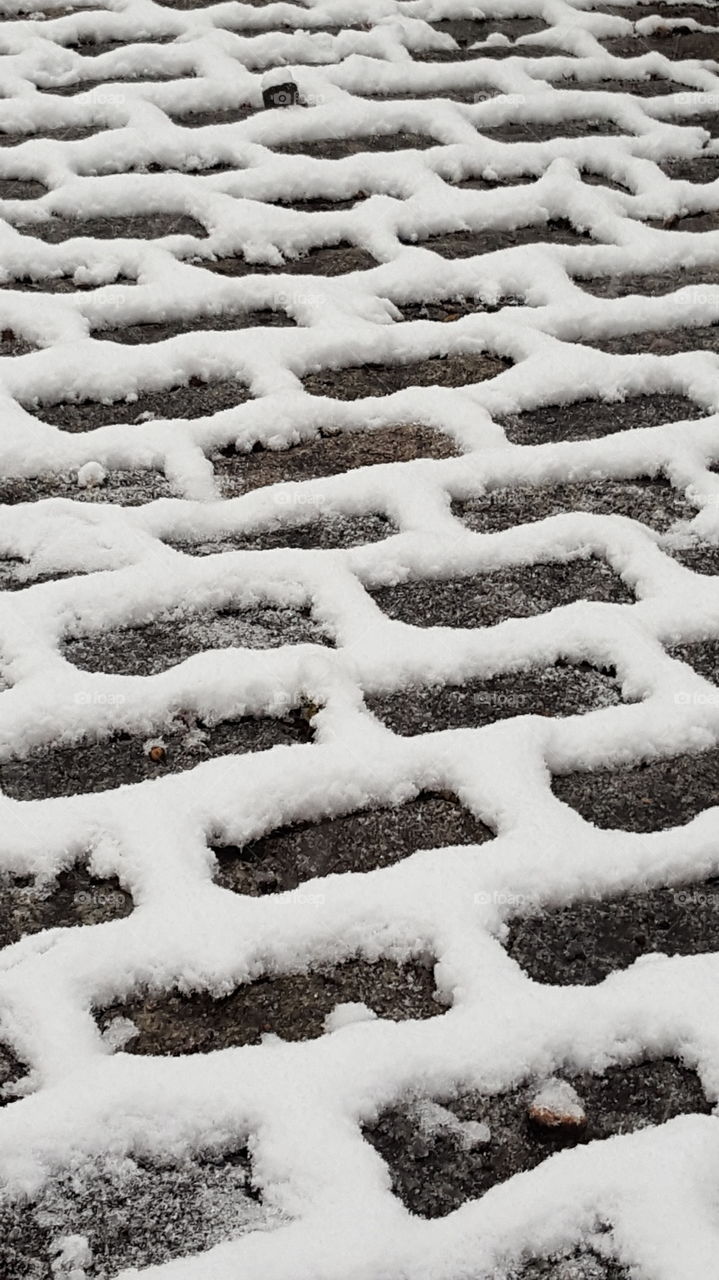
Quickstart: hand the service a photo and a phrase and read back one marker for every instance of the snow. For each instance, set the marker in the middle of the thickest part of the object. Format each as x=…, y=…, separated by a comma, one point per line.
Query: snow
x=303, y=1103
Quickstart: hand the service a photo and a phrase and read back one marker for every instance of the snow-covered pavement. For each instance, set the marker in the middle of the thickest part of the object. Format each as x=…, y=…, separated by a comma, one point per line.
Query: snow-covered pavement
x=359, y=631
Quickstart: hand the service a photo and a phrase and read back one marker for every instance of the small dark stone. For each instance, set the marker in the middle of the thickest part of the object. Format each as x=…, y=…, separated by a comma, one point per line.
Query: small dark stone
x=281, y=95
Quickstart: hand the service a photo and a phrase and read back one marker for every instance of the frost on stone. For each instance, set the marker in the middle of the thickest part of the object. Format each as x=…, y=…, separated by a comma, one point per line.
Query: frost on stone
x=434, y=1119
x=343, y=1015
x=557, y=1105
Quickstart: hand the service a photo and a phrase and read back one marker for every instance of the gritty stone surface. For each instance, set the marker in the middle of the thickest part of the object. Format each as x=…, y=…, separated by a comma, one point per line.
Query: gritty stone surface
x=662, y=342
x=591, y=419
x=652, y=796
x=75, y=897
x=562, y=690
x=190, y=119
x=290, y=1005
x=21, y=189
x=653, y=501
x=336, y=148
x=584, y=942
x=546, y=130
x=328, y=455
x=151, y=226
x=454, y=308
x=129, y=488
x=72, y=88
x=324, y=534
x=64, y=133
x=478, y=182
x=358, y=381
x=13, y=344
x=58, y=284
x=465, y=244
x=433, y=1175
x=700, y=169
x=520, y=591
x=11, y=1071
x=689, y=222
x=16, y=574
x=134, y=1211
x=121, y=759
x=648, y=87
x=701, y=557
x=327, y=260
x=703, y=656
x=686, y=44
x=195, y=399
x=227, y=321
x=173, y=638
x=653, y=285
x=355, y=842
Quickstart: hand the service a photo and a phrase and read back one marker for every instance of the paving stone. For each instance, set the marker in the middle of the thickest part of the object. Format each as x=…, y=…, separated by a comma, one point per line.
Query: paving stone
x=58, y=284
x=548, y=130
x=620, y=286
x=469, y=31
x=221, y=322
x=120, y=759
x=322, y=534
x=653, y=8
x=360, y=841
x=13, y=344
x=21, y=189
x=149, y=226
x=434, y=1171
x=11, y=1071
x=662, y=342
x=601, y=180
x=519, y=591
x=466, y=244
x=701, y=169
x=326, y=260
x=591, y=419
x=173, y=637
x=695, y=222
x=703, y=557
x=65, y=133
x=479, y=93
x=382, y=380
x=16, y=574
x=653, y=796
x=129, y=487
x=493, y=51
x=583, y=942
x=328, y=455
x=492, y=184
x=653, y=87
x=653, y=500
x=74, y=898
x=689, y=44
x=195, y=399
x=134, y=1211
x=91, y=48
x=320, y=205
x=450, y=309
x=566, y=689
x=48, y=14
x=708, y=120
x=703, y=656
x=336, y=148
x=292, y=1006
x=190, y=119
x=580, y=1264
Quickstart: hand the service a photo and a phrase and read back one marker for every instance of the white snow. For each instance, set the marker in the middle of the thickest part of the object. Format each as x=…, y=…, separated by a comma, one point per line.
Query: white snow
x=302, y=1104
x=559, y=1098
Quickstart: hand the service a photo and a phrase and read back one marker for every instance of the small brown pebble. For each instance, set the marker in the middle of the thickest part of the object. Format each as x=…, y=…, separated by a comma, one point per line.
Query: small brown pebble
x=157, y=754
x=557, y=1106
